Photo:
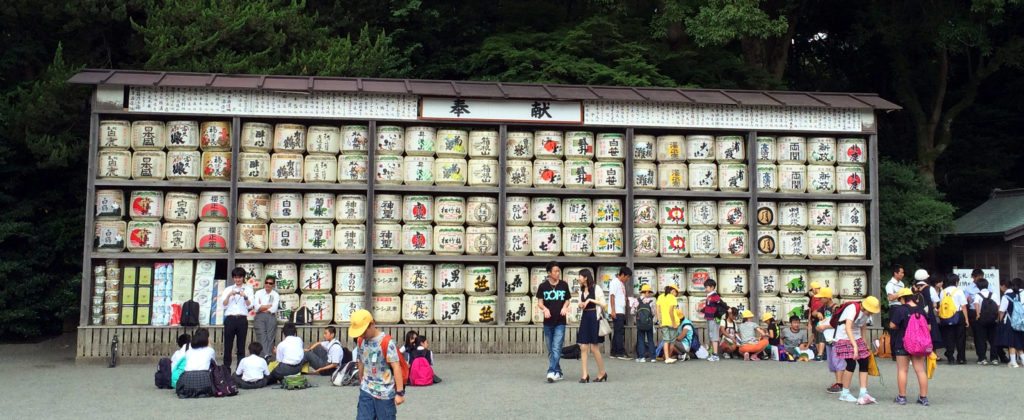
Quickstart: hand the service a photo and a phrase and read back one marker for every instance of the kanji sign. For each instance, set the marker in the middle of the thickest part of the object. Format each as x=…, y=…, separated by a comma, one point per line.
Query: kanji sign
x=536, y=111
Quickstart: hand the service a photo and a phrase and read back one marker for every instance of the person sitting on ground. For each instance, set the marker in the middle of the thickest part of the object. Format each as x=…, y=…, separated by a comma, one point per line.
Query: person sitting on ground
x=752, y=337
x=411, y=339
x=289, y=354
x=195, y=382
x=683, y=343
x=774, y=336
x=795, y=340
x=421, y=350
x=325, y=357
x=252, y=372
x=184, y=343
x=727, y=331
x=669, y=321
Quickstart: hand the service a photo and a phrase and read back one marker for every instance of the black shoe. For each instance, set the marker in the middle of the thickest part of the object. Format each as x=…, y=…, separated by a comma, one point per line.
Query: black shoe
x=961, y=362
x=950, y=362
x=603, y=378
x=585, y=380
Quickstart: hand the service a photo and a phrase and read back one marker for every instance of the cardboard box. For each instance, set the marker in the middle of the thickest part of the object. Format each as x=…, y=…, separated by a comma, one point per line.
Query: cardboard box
x=142, y=315
x=130, y=275
x=128, y=294
x=127, y=315
x=145, y=276
x=144, y=296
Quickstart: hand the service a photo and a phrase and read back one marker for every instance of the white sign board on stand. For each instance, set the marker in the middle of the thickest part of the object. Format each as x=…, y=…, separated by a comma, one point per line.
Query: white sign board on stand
x=992, y=275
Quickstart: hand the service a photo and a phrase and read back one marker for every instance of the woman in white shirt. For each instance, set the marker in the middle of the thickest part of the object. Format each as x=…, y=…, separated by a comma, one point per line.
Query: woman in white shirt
x=195, y=381
x=1006, y=337
x=290, y=353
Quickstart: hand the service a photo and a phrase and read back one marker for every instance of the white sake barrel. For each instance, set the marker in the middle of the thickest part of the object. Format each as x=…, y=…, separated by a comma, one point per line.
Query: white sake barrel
x=548, y=144
x=605, y=274
x=792, y=215
x=673, y=242
x=692, y=303
x=318, y=207
x=146, y=205
x=114, y=135
x=215, y=135
x=732, y=176
x=213, y=205
x=417, y=208
x=289, y=138
x=611, y=146
x=390, y=140
x=110, y=206
x=387, y=208
x=517, y=281
x=345, y=306
x=609, y=175
x=387, y=280
x=256, y=137
x=450, y=278
x=417, y=278
x=320, y=169
x=450, y=210
x=517, y=211
x=675, y=276
x=483, y=172
x=793, y=244
x=285, y=238
x=350, y=209
x=852, y=245
x=287, y=275
x=452, y=143
x=144, y=236
x=702, y=213
x=517, y=241
x=386, y=309
x=821, y=179
x=644, y=148
x=519, y=173
x=286, y=167
x=793, y=281
x=149, y=165
x=768, y=243
x=481, y=240
x=481, y=280
x=821, y=150
x=645, y=242
x=765, y=149
x=481, y=309
x=825, y=277
x=482, y=211
x=546, y=241
x=255, y=167
x=700, y=148
x=315, y=277
x=545, y=211
x=251, y=237
x=114, y=164
x=791, y=149
x=850, y=180
x=254, y=207
x=538, y=275
x=322, y=139
x=288, y=304
x=419, y=170
x=548, y=173
x=449, y=240
x=579, y=173
x=418, y=309
x=183, y=165
x=420, y=141
x=645, y=175
x=703, y=243
x=767, y=214
x=768, y=281
x=450, y=309
x=353, y=169
x=798, y=306
x=730, y=149
x=821, y=215
x=483, y=143
x=607, y=212
x=645, y=275
x=740, y=303
x=579, y=144
x=317, y=238
x=852, y=151
x=733, y=243
x=703, y=176
x=645, y=212
x=671, y=148
x=732, y=213
x=355, y=139
x=286, y=207
x=672, y=176
x=822, y=244
x=450, y=171
x=577, y=212
x=852, y=216
x=571, y=275
x=350, y=280
x=853, y=284
x=577, y=241
x=793, y=178
x=148, y=135
x=733, y=282
x=217, y=166
x=696, y=276
x=767, y=177
x=518, y=310
x=387, y=238
x=388, y=170
x=350, y=239
x=179, y=237
x=519, y=145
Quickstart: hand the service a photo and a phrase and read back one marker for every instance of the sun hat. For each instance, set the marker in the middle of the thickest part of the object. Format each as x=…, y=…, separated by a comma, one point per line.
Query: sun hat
x=921, y=274
x=815, y=285
x=645, y=288
x=824, y=293
x=673, y=287
x=747, y=314
x=871, y=304
x=359, y=321
x=904, y=292
x=766, y=316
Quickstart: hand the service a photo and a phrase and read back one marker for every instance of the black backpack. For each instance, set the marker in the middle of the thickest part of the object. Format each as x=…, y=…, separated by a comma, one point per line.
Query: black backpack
x=223, y=383
x=302, y=316
x=190, y=314
x=162, y=377
x=989, y=311
x=644, y=317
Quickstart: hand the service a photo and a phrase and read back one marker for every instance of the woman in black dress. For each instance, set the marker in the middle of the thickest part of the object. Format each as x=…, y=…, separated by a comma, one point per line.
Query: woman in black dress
x=588, y=337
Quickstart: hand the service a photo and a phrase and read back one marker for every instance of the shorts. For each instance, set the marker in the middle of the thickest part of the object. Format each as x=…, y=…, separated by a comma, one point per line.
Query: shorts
x=713, y=334
x=668, y=334
x=819, y=337
x=680, y=347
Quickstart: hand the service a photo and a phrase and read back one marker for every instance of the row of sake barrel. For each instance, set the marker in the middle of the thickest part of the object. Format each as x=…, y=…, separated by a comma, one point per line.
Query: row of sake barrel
x=158, y=135
x=106, y=296
x=813, y=244
x=551, y=211
x=441, y=210
x=697, y=176
x=156, y=165
x=682, y=242
x=734, y=281
x=812, y=150
x=653, y=213
x=351, y=280
x=815, y=179
x=813, y=215
x=569, y=173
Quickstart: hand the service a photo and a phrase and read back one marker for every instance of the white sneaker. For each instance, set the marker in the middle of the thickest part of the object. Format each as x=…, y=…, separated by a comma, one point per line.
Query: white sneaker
x=1013, y=365
x=715, y=358
x=847, y=397
x=865, y=400
x=551, y=377
x=670, y=361
x=558, y=377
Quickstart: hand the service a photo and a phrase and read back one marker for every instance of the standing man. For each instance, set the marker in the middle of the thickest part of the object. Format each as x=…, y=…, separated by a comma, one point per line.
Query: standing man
x=617, y=311
x=324, y=357
x=381, y=385
x=953, y=320
x=265, y=323
x=237, y=302
x=894, y=285
x=554, y=304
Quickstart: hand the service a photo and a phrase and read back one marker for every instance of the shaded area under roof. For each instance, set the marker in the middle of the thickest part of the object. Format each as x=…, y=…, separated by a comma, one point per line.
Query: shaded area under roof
x=488, y=90
x=1001, y=215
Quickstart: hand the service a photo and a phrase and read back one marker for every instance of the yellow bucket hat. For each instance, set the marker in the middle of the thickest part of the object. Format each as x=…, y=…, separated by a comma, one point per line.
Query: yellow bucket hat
x=766, y=316
x=904, y=292
x=360, y=320
x=824, y=293
x=871, y=304
x=747, y=314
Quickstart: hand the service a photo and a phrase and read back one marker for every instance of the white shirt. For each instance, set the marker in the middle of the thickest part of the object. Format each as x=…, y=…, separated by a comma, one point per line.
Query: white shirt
x=335, y=351
x=980, y=297
x=252, y=368
x=199, y=359
x=891, y=288
x=618, y=290
x=264, y=298
x=290, y=351
x=178, y=355
x=236, y=303
x=860, y=321
x=958, y=297
x=933, y=295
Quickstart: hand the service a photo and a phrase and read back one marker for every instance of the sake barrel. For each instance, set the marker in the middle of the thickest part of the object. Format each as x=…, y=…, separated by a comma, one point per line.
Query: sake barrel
x=318, y=238
x=675, y=276
x=733, y=243
x=703, y=176
x=452, y=143
x=481, y=240
x=350, y=280
x=767, y=214
x=287, y=275
x=417, y=208
x=519, y=145
x=732, y=213
x=644, y=148
x=519, y=173
x=546, y=241
x=767, y=177
x=697, y=276
x=579, y=144
x=852, y=216
x=450, y=278
x=418, y=309
x=213, y=205
x=388, y=170
x=286, y=167
x=390, y=140
x=419, y=170
x=605, y=274
x=517, y=211
x=518, y=310
x=420, y=141
x=215, y=135
x=450, y=171
x=850, y=179
x=768, y=281
x=417, y=278
x=610, y=146
x=703, y=243
x=255, y=167
x=793, y=244
x=144, y=236
x=387, y=208
x=577, y=212
x=417, y=239
x=149, y=165
x=484, y=143
x=256, y=137
x=671, y=148
x=217, y=166
x=645, y=175
x=733, y=282
x=609, y=175
x=148, y=135
x=387, y=238
x=517, y=281
x=798, y=306
x=645, y=275
x=481, y=280
x=114, y=135
x=673, y=176
x=793, y=178
x=345, y=306
x=771, y=305
x=517, y=241
x=449, y=240
x=318, y=207
x=548, y=144
x=645, y=242
x=483, y=172
x=545, y=211
x=547, y=173
x=692, y=313
x=700, y=148
x=792, y=215
x=767, y=243
x=539, y=275
x=114, y=164
x=254, y=207
x=791, y=149
x=110, y=205
x=824, y=277
x=285, y=237
x=607, y=212
x=146, y=205
x=482, y=211
x=702, y=213
x=350, y=209
x=577, y=241
x=251, y=237
x=350, y=239
x=852, y=151
x=740, y=303
x=450, y=309
x=672, y=242
x=178, y=237
x=571, y=275
x=645, y=212
x=287, y=306
x=821, y=179
x=481, y=309
x=821, y=150
x=289, y=138
x=387, y=280
x=355, y=139
x=352, y=169
x=730, y=149
x=386, y=309
x=852, y=245
x=793, y=281
x=579, y=173
x=315, y=278
x=450, y=210
x=853, y=284
x=286, y=207
x=765, y=149
x=322, y=139
x=821, y=244
x=821, y=215
x=320, y=169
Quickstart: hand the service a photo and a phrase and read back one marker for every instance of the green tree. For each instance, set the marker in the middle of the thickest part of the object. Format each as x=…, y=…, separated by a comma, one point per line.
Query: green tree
x=912, y=213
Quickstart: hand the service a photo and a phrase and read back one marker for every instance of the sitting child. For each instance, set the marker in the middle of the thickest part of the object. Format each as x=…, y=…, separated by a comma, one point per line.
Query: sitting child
x=727, y=329
x=683, y=344
x=795, y=340
x=411, y=340
x=421, y=373
x=252, y=372
x=774, y=337
x=752, y=338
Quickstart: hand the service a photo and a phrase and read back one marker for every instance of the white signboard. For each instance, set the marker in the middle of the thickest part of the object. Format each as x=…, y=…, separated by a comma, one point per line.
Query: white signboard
x=654, y=114
x=992, y=275
x=539, y=111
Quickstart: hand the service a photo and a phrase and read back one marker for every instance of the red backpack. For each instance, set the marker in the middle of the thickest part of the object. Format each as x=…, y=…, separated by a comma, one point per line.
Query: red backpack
x=401, y=359
x=838, y=313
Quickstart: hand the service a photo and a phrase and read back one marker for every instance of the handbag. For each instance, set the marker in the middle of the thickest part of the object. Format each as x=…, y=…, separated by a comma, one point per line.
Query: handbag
x=604, y=329
x=835, y=364
x=873, y=366
x=932, y=362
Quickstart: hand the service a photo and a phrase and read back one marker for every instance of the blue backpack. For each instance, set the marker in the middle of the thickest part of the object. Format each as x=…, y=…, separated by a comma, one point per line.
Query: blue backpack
x=1016, y=313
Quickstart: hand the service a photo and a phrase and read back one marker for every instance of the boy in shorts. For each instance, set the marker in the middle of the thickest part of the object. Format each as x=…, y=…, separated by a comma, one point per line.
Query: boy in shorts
x=669, y=320
x=709, y=307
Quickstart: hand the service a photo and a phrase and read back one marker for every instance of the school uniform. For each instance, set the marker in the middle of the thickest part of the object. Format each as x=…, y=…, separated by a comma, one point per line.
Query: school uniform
x=264, y=324
x=236, y=322
x=252, y=372
x=1006, y=336
x=289, y=358
x=195, y=382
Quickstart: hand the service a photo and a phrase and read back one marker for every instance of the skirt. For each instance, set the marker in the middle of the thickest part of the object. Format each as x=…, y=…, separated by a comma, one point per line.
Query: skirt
x=1007, y=337
x=588, y=331
x=194, y=384
x=844, y=349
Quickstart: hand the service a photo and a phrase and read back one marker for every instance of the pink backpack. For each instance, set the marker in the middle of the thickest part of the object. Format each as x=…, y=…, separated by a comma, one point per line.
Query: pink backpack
x=917, y=340
x=421, y=373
